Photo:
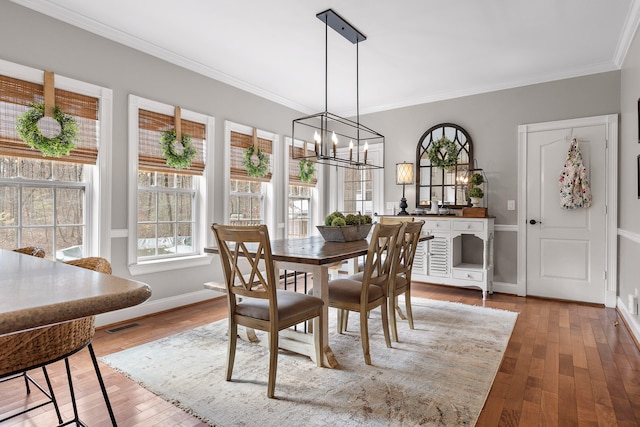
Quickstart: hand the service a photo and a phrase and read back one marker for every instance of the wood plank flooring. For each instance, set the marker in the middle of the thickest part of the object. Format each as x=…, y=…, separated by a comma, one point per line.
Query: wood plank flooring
x=566, y=364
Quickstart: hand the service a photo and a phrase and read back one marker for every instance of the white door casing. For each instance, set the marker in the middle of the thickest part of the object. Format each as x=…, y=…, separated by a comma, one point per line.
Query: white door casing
x=567, y=254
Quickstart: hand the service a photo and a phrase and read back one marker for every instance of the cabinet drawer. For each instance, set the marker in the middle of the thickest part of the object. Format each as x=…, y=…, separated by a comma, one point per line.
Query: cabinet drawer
x=436, y=224
x=474, y=275
x=468, y=225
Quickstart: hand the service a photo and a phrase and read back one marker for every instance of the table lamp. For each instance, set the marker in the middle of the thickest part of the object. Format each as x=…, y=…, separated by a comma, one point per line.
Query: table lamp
x=404, y=176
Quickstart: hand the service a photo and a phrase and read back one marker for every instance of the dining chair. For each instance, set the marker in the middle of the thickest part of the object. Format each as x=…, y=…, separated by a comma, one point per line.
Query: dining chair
x=349, y=294
x=400, y=281
x=31, y=250
x=395, y=219
x=254, y=300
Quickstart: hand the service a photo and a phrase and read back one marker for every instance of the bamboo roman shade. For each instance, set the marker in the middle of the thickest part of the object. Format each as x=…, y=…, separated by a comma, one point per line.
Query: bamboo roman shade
x=239, y=143
x=16, y=96
x=150, y=128
x=294, y=166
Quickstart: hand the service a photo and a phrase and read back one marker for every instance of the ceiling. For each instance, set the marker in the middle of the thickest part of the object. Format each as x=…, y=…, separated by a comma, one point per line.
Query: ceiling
x=416, y=51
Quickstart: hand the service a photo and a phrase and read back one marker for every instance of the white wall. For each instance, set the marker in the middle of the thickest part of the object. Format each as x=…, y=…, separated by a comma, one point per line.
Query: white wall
x=492, y=120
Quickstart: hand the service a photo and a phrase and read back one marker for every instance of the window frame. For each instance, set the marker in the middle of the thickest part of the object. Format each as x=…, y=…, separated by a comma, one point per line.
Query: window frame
x=269, y=201
x=336, y=178
x=315, y=200
x=203, y=211
x=99, y=194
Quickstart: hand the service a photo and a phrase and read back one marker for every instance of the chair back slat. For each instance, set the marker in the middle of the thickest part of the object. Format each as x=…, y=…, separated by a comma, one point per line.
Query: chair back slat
x=380, y=253
x=251, y=244
x=407, y=246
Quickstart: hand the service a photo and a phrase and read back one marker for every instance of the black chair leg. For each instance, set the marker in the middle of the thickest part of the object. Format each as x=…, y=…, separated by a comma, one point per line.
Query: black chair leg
x=102, y=387
x=51, y=395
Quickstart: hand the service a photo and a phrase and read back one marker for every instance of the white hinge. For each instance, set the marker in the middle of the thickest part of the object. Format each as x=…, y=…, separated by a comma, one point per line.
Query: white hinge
x=604, y=275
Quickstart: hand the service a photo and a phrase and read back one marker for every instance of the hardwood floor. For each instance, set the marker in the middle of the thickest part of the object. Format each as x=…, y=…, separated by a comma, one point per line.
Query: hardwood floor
x=566, y=364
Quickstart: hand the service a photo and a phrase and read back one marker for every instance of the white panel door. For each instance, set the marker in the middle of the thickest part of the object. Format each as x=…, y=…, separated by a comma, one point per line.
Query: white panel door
x=566, y=249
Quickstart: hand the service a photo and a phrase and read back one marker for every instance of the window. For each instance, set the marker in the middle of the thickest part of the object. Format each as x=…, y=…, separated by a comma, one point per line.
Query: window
x=302, y=205
x=359, y=190
x=250, y=198
x=168, y=205
x=56, y=203
x=443, y=184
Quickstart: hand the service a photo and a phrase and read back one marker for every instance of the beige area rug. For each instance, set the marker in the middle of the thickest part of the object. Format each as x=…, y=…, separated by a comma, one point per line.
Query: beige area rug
x=438, y=375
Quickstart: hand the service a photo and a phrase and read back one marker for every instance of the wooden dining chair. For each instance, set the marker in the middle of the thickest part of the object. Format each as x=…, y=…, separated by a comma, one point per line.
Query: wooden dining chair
x=400, y=281
x=262, y=305
x=349, y=294
x=395, y=219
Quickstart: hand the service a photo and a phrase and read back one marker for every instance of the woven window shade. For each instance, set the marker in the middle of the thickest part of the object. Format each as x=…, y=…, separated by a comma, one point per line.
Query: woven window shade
x=150, y=128
x=15, y=98
x=239, y=143
x=294, y=166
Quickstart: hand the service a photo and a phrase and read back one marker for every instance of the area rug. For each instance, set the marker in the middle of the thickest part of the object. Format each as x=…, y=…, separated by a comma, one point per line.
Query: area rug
x=439, y=374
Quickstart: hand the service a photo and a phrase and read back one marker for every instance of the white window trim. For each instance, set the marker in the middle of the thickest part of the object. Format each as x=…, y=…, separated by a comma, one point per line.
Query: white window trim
x=99, y=216
x=204, y=207
x=270, y=203
x=336, y=199
x=316, y=200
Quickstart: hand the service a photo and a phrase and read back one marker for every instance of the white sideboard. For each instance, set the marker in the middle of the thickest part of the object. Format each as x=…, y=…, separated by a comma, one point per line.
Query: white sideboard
x=460, y=253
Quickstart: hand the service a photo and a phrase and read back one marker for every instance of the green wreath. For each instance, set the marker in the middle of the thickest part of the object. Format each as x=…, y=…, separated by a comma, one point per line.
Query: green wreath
x=258, y=170
x=59, y=145
x=307, y=169
x=175, y=160
x=450, y=157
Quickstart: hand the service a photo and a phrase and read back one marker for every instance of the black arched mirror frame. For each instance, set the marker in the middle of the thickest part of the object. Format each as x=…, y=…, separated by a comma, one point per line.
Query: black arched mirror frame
x=447, y=185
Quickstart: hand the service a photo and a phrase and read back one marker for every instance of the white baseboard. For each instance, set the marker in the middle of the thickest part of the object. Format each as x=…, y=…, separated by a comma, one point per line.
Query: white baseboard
x=505, y=288
x=155, y=306
x=631, y=319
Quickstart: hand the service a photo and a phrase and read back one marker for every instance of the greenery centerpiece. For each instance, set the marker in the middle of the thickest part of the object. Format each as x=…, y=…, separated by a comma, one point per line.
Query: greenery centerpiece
x=345, y=228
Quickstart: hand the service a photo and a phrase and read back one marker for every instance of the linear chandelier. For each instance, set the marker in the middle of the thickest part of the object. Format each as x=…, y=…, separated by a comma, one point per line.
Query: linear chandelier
x=331, y=139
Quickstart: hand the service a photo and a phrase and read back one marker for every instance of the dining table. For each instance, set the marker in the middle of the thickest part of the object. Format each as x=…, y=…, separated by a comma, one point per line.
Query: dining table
x=38, y=292
x=313, y=255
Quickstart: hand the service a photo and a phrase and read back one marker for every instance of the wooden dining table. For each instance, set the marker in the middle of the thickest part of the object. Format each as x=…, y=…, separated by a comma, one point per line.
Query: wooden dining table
x=37, y=292
x=314, y=255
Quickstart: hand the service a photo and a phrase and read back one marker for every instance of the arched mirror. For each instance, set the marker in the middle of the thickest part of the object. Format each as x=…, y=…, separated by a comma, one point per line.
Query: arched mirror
x=444, y=156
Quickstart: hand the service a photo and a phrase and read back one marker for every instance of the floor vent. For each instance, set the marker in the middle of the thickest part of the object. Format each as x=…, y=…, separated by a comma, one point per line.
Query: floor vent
x=122, y=328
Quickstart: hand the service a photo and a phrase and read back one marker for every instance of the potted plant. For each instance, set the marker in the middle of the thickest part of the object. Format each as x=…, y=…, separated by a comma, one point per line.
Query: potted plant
x=476, y=179
x=476, y=194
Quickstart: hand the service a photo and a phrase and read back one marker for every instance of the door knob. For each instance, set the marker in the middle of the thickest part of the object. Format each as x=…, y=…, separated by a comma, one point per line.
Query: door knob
x=534, y=222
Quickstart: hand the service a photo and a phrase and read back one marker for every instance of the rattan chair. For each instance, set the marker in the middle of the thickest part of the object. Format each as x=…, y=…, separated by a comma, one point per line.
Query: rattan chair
x=263, y=306
x=31, y=250
x=400, y=281
x=24, y=351
x=39, y=347
x=363, y=296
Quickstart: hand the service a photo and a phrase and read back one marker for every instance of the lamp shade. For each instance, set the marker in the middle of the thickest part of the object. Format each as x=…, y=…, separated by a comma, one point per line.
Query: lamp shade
x=404, y=173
